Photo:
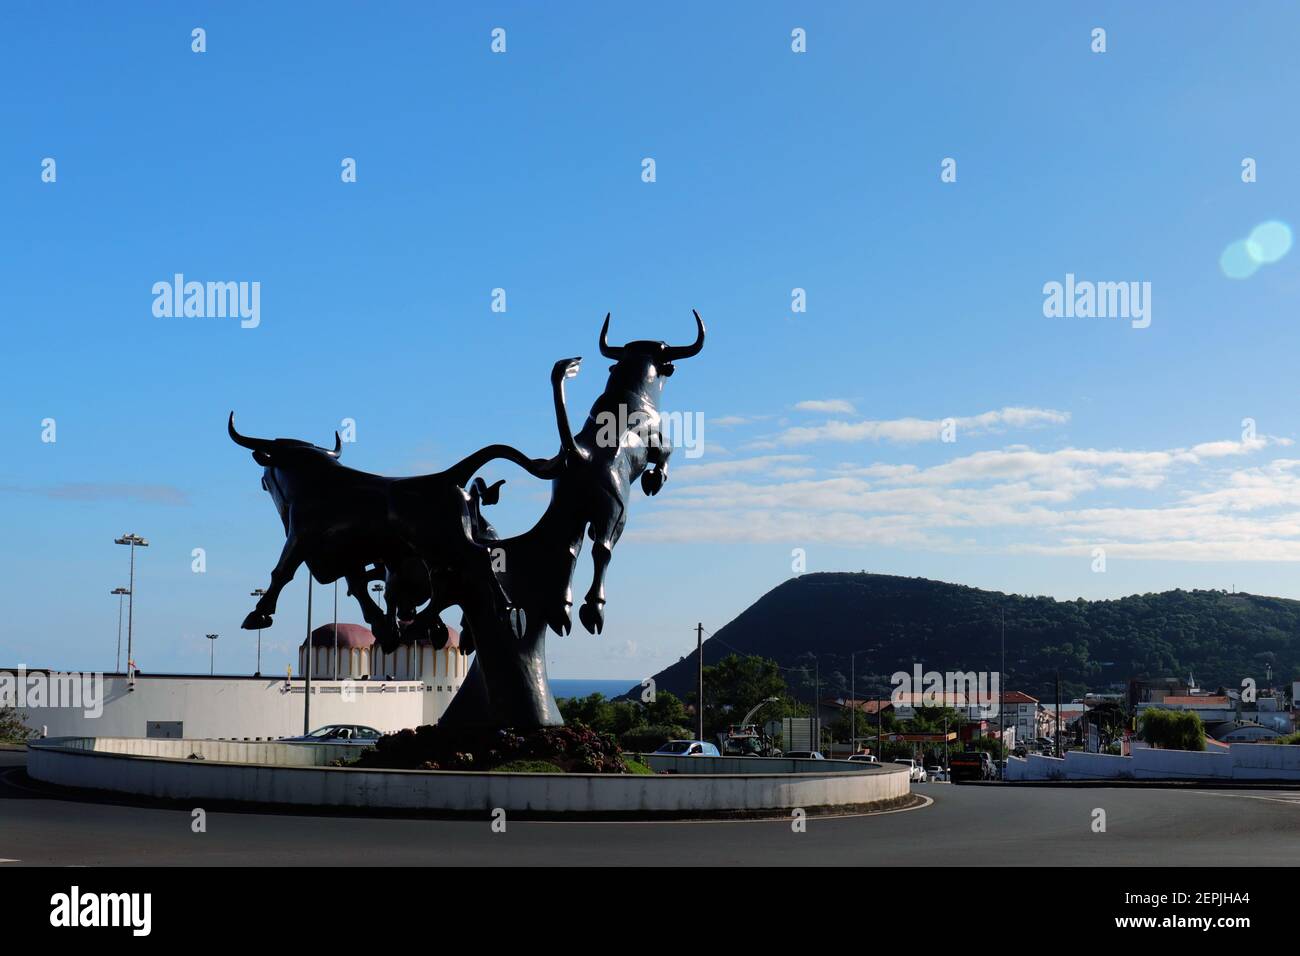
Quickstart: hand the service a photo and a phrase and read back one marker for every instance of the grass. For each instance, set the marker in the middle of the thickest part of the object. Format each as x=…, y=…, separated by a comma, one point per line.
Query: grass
x=637, y=767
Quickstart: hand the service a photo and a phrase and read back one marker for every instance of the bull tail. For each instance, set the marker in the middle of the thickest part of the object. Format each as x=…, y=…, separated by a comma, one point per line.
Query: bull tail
x=463, y=470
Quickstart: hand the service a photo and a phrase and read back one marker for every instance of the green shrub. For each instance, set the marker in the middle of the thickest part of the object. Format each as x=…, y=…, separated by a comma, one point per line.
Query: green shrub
x=647, y=739
x=1172, y=729
x=12, y=728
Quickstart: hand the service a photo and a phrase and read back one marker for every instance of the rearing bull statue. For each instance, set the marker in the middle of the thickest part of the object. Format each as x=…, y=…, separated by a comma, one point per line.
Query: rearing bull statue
x=620, y=442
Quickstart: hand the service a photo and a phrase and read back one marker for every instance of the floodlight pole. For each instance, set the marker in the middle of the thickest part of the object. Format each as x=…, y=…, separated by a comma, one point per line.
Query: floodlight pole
x=257, y=593
x=699, y=700
x=133, y=540
x=306, y=697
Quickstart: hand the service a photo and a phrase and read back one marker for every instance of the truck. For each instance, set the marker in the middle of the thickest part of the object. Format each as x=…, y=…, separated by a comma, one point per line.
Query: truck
x=972, y=765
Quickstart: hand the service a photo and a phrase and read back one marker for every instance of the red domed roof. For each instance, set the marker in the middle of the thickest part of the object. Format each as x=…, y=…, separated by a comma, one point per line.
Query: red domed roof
x=350, y=635
x=357, y=635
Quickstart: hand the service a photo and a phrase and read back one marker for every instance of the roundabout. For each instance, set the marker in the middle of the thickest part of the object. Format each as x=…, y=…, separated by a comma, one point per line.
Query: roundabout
x=305, y=776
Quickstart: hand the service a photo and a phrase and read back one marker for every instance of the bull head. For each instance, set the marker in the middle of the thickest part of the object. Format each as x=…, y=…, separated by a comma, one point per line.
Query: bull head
x=644, y=353
x=264, y=449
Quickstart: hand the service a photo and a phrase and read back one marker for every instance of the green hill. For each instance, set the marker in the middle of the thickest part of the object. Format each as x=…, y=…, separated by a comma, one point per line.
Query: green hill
x=895, y=622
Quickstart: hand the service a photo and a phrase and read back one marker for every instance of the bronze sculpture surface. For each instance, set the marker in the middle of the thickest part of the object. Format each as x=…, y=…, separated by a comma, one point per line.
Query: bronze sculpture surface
x=427, y=538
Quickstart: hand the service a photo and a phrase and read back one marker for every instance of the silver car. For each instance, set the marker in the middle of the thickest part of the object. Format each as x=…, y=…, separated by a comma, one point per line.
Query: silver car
x=355, y=734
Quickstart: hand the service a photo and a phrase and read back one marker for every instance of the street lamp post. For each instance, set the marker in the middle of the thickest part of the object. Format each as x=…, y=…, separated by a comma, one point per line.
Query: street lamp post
x=853, y=698
x=117, y=661
x=212, y=654
x=133, y=541
x=257, y=593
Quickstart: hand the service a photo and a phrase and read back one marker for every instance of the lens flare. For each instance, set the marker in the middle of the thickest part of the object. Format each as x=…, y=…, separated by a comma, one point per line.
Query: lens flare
x=1269, y=241
x=1237, y=262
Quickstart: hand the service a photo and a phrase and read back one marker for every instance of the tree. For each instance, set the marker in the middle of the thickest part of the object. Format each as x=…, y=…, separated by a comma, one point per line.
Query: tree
x=735, y=684
x=12, y=728
x=666, y=708
x=1172, y=729
x=1110, y=718
x=995, y=748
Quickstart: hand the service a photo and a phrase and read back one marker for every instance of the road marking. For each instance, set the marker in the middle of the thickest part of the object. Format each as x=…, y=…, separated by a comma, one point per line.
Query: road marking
x=1289, y=801
x=3, y=860
x=926, y=801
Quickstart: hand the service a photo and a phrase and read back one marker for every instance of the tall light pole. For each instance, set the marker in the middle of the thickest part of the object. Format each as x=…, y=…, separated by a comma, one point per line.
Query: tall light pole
x=306, y=697
x=117, y=661
x=699, y=700
x=134, y=541
x=257, y=593
x=212, y=654
x=853, y=698
x=336, y=629
x=1002, y=694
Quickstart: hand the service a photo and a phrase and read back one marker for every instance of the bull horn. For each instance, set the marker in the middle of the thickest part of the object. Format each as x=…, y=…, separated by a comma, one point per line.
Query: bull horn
x=673, y=352
x=607, y=350
x=338, y=447
x=255, y=444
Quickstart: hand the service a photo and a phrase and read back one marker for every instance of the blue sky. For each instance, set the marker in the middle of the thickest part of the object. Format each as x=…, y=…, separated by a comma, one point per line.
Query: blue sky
x=774, y=171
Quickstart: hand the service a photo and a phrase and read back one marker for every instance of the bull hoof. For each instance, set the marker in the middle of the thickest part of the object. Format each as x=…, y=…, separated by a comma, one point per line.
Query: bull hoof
x=559, y=621
x=652, y=482
x=518, y=621
x=256, y=620
x=592, y=615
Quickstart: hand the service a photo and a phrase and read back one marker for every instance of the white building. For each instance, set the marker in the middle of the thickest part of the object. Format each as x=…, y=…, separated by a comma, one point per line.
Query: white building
x=410, y=687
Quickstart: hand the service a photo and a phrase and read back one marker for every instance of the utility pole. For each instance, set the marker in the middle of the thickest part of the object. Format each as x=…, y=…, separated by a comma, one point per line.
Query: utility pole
x=134, y=540
x=1002, y=694
x=1058, y=714
x=853, y=703
x=699, y=700
x=212, y=654
x=817, y=699
x=306, y=697
x=336, y=630
x=880, y=730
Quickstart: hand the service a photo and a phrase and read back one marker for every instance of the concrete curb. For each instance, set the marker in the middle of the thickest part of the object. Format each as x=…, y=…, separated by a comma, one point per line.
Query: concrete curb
x=260, y=774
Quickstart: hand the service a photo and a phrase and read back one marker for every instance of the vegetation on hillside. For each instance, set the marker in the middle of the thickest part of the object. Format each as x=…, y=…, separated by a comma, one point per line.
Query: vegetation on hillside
x=811, y=624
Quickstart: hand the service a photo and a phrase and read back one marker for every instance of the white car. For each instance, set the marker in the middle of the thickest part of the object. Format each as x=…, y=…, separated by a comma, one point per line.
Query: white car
x=916, y=773
x=936, y=773
x=863, y=758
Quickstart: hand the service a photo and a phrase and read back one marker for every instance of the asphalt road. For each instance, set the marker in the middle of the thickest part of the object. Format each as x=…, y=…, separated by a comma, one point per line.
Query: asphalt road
x=963, y=826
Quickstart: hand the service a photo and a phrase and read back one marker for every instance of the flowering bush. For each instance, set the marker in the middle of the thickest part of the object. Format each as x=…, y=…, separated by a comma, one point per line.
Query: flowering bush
x=575, y=749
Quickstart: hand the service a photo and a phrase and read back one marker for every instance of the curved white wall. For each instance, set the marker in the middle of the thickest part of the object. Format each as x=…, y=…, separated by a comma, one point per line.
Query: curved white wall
x=112, y=765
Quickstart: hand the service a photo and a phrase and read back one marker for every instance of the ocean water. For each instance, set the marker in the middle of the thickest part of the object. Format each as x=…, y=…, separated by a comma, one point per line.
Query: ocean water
x=582, y=688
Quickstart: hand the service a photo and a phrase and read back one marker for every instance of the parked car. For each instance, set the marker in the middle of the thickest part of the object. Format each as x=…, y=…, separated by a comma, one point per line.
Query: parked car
x=863, y=758
x=689, y=748
x=355, y=734
x=936, y=773
x=804, y=754
x=973, y=765
x=916, y=773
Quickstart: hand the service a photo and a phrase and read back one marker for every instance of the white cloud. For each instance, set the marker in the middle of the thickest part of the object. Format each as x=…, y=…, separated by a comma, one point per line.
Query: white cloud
x=1169, y=504
x=829, y=406
x=912, y=430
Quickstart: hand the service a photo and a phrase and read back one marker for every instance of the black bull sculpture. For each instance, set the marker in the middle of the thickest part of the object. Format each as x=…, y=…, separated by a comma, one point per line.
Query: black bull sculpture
x=426, y=537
